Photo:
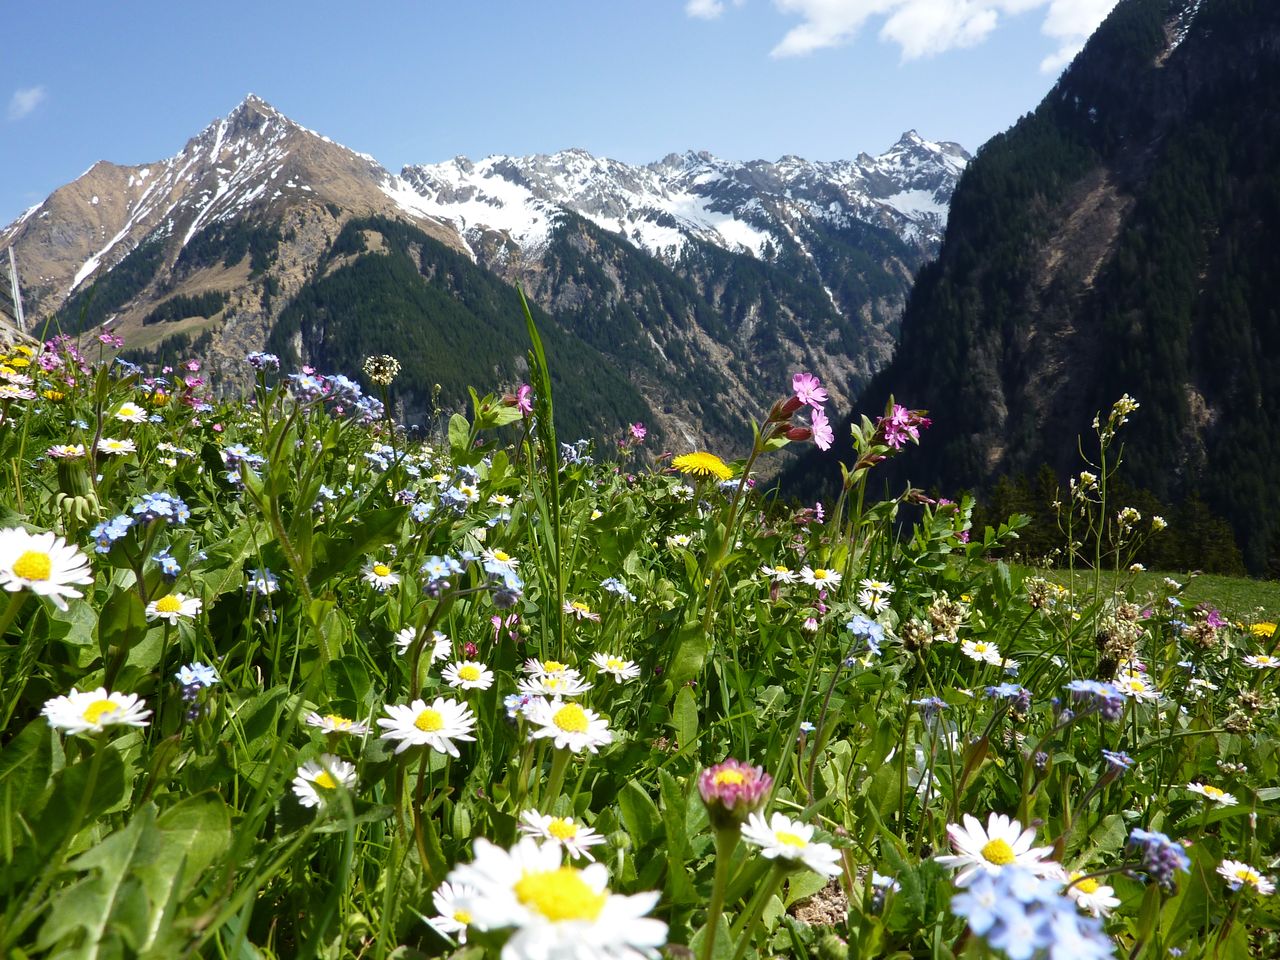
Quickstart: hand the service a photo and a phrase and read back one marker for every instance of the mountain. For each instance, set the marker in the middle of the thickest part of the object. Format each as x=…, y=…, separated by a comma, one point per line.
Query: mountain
x=1120, y=238
x=700, y=278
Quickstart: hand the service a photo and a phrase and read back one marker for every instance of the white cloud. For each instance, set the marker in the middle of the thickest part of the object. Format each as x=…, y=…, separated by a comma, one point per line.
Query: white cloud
x=924, y=28
x=707, y=9
x=24, y=101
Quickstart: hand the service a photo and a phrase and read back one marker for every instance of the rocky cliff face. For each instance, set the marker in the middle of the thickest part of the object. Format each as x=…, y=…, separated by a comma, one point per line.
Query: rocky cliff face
x=1118, y=240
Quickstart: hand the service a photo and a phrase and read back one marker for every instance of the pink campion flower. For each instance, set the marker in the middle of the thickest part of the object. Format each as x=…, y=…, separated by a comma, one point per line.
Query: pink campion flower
x=808, y=389
x=470, y=649
x=732, y=791
x=524, y=399
x=192, y=365
x=823, y=435
x=963, y=536
x=111, y=340
x=818, y=512
x=902, y=425
x=810, y=624
x=638, y=432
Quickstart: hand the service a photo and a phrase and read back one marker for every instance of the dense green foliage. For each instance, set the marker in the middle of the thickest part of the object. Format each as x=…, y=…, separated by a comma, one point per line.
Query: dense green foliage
x=229, y=243
x=94, y=304
x=450, y=323
x=1118, y=239
x=182, y=306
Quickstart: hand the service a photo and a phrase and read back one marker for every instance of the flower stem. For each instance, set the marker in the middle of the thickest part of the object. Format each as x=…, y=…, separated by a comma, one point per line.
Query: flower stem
x=726, y=843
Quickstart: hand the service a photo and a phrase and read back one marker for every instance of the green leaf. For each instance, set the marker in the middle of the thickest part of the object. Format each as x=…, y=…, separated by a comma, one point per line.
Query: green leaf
x=684, y=717
x=639, y=813
x=111, y=903
x=459, y=436
x=373, y=529
x=123, y=621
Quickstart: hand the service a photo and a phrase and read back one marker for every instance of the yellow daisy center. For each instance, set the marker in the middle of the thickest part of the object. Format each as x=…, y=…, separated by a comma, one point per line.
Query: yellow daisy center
x=381, y=570
x=980, y=647
x=1248, y=876
x=337, y=722
x=562, y=828
x=552, y=666
x=33, y=565
x=501, y=556
x=560, y=895
x=998, y=852
x=169, y=604
x=581, y=607
x=729, y=778
x=613, y=663
x=1136, y=686
x=99, y=709
x=571, y=718
x=791, y=839
x=325, y=779
x=820, y=574
x=781, y=570
x=469, y=673
x=429, y=721
x=1262, y=658
x=1213, y=792
x=1088, y=886
x=462, y=916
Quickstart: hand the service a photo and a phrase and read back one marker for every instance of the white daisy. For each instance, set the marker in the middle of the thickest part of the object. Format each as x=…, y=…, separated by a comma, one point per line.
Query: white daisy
x=779, y=573
x=130, y=413
x=574, y=837
x=571, y=726
x=332, y=723
x=452, y=919
x=379, y=575
x=318, y=780
x=1134, y=684
x=94, y=710
x=1239, y=874
x=579, y=610
x=468, y=675
x=1097, y=898
x=820, y=577
x=115, y=447
x=174, y=607
x=677, y=540
x=1262, y=661
x=501, y=500
x=621, y=670
x=43, y=563
x=876, y=586
x=1210, y=792
x=553, y=685
x=556, y=910
x=1001, y=844
x=872, y=602
x=782, y=838
x=982, y=650
x=435, y=726
x=499, y=561
x=549, y=668
x=438, y=649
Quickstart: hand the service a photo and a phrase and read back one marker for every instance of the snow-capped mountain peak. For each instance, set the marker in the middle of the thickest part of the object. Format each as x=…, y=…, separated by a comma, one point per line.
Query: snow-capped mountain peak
x=660, y=206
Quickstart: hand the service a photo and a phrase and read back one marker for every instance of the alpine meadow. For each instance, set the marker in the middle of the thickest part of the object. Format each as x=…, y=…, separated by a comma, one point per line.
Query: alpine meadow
x=557, y=557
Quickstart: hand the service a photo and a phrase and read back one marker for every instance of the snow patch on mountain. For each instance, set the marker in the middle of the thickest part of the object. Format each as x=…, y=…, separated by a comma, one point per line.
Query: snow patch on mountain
x=661, y=206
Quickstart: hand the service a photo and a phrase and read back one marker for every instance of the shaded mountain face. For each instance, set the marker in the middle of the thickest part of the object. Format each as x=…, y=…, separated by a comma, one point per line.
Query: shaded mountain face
x=1118, y=239
x=703, y=281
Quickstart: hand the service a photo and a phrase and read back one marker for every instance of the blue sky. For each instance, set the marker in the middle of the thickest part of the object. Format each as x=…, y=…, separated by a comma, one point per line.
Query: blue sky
x=418, y=82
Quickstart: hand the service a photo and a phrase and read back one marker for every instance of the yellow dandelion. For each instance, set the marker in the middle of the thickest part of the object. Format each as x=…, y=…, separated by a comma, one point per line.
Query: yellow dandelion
x=1264, y=629
x=702, y=464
